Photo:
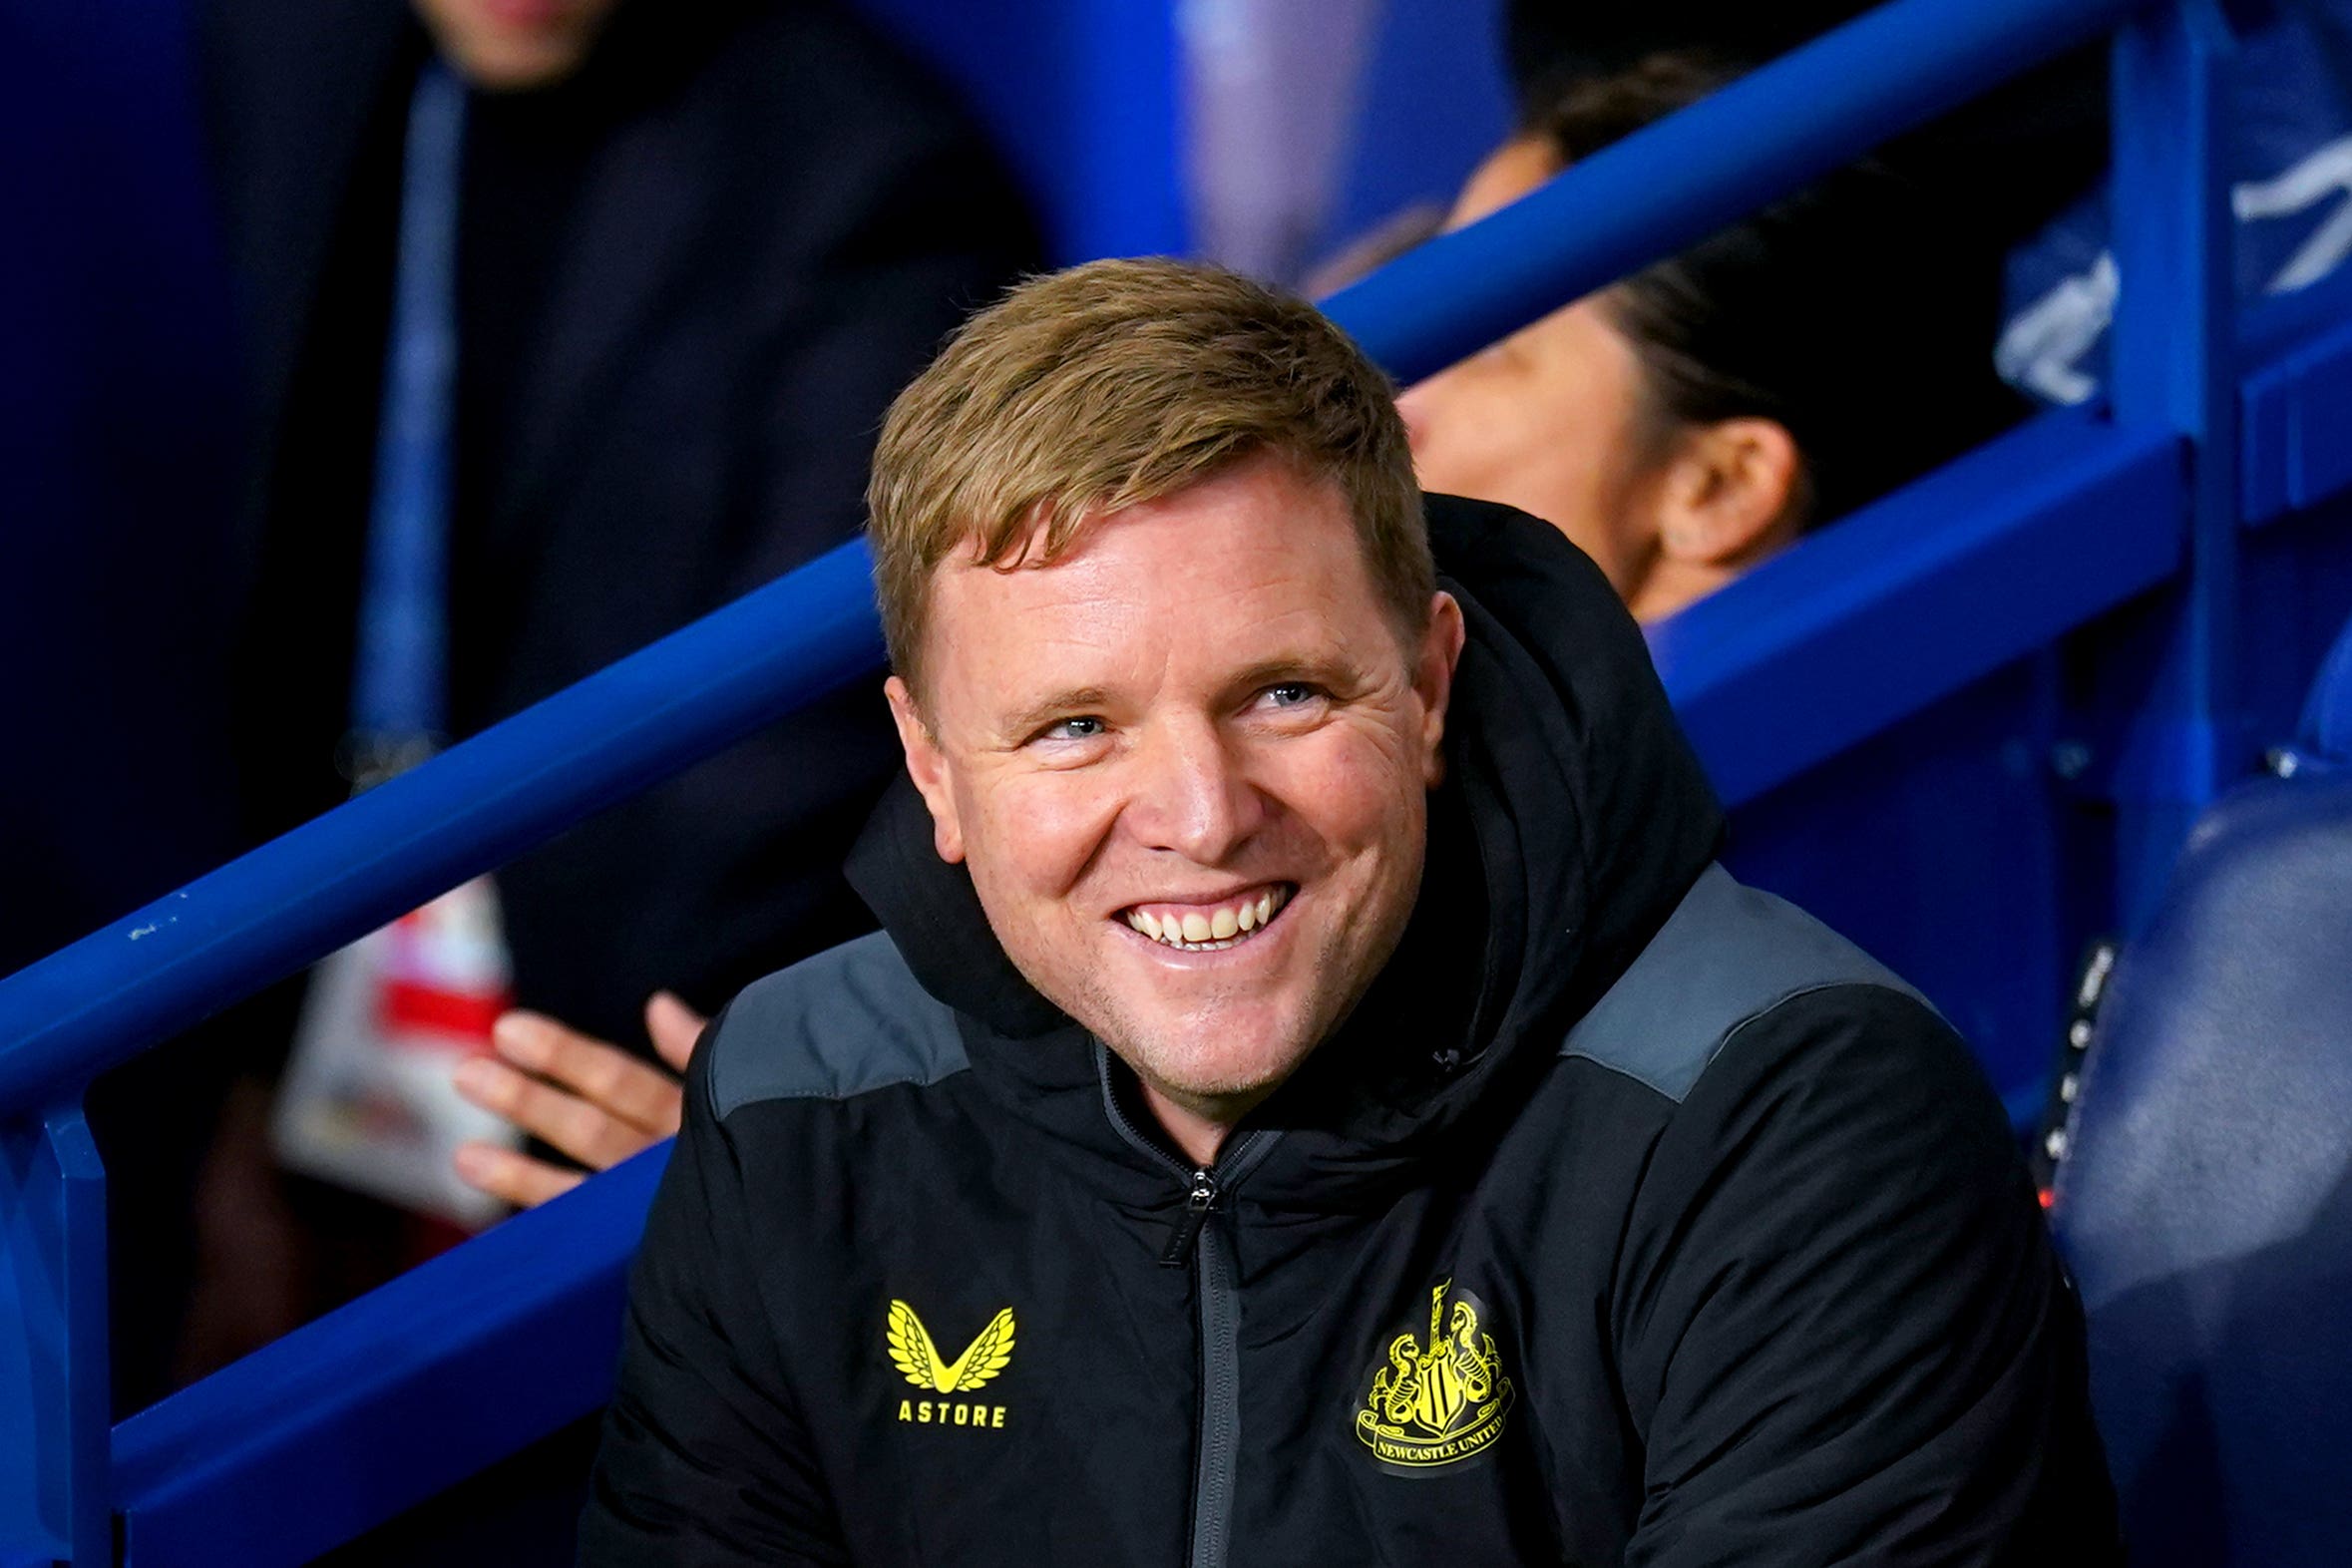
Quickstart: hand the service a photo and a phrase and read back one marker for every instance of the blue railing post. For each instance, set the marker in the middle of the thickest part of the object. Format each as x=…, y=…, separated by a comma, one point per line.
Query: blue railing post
x=2173, y=368
x=55, y=1435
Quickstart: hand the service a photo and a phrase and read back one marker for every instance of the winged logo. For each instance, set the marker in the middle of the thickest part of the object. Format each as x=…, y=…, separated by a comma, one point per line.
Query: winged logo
x=918, y=1361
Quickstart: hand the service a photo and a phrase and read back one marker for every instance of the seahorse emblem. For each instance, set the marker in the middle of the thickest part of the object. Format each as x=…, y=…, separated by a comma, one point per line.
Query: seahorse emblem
x=1439, y=1401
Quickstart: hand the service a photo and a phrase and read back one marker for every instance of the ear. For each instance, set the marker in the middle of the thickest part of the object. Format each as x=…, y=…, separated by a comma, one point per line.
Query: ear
x=1441, y=653
x=1728, y=493
x=928, y=768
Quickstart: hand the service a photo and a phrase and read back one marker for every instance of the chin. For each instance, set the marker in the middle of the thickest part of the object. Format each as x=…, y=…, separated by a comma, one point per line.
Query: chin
x=1198, y=1061
x=505, y=65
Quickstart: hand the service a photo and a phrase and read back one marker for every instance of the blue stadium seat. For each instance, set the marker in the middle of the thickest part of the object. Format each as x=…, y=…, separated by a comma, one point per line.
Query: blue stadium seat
x=2206, y=1200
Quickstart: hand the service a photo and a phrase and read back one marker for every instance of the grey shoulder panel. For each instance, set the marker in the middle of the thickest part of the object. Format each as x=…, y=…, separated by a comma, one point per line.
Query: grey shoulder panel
x=1724, y=956
x=847, y=1022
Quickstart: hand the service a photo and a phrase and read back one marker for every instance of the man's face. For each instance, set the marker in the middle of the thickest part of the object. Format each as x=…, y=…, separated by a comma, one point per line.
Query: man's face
x=506, y=46
x=1187, y=767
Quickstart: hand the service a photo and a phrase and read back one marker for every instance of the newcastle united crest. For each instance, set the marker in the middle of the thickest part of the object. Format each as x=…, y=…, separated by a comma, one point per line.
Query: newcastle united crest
x=1439, y=1402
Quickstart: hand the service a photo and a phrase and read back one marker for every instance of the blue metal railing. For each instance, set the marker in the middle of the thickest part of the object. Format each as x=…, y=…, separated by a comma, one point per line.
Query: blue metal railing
x=276, y=1427
x=475, y=806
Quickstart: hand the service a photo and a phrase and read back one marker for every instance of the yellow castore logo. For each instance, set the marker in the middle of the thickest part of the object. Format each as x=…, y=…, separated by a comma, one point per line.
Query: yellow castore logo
x=918, y=1358
x=1441, y=1401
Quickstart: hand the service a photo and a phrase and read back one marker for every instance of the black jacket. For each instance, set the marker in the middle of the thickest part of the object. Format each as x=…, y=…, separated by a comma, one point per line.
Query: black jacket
x=1634, y=1217
x=690, y=280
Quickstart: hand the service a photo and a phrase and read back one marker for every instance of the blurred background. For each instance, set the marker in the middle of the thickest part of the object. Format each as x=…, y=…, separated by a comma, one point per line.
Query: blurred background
x=372, y=369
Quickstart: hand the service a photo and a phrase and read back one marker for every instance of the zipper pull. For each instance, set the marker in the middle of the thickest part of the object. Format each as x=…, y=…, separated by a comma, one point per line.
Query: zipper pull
x=1189, y=1223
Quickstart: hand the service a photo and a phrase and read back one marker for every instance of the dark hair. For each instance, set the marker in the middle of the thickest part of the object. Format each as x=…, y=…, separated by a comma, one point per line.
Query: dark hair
x=1854, y=313
x=2016, y=156
x=1551, y=44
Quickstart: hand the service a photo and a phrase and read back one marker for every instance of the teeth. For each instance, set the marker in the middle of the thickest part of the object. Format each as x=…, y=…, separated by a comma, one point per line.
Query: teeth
x=1215, y=931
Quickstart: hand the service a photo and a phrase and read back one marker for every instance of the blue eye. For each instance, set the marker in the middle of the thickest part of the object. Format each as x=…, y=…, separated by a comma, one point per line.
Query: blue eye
x=1085, y=727
x=1290, y=693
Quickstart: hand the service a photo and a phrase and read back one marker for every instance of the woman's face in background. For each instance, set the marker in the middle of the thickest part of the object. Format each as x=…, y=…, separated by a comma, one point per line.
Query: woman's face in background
x=1552, y=419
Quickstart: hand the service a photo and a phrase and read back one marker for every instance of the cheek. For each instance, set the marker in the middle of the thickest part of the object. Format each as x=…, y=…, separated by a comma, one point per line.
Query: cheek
x=1586, y=484
x=1544, y=444
x=1354, y=788
x=1034, y=836
x=1474, y=434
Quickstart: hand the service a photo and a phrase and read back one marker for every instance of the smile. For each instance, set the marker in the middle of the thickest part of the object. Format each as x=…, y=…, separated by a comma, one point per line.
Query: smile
x=1211, y=928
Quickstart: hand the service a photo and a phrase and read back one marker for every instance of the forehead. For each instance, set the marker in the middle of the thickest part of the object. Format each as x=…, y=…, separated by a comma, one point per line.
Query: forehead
x=1255, y=562
x=1509, y=173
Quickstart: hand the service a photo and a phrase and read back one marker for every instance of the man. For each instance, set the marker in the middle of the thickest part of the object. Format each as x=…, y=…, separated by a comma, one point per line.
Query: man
x=565, y=323
x=692, y=249
x=1315, y=1098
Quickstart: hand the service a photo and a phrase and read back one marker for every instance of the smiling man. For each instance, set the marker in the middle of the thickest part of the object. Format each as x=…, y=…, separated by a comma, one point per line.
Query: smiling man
x=1193, y=804
x=1315, y=1098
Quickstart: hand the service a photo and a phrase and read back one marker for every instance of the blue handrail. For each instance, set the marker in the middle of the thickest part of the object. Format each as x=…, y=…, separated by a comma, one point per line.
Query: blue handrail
x=475, y=807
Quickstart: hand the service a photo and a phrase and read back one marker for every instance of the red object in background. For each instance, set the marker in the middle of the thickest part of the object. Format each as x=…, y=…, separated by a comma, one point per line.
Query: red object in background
x=463, y=1018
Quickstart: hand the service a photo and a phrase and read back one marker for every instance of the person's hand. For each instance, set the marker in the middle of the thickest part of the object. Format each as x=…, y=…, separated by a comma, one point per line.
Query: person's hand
x=589, y=1099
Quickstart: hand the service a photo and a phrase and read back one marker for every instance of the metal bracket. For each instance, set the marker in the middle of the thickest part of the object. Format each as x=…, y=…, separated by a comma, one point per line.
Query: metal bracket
x=55, y=1420
x=2174, y=369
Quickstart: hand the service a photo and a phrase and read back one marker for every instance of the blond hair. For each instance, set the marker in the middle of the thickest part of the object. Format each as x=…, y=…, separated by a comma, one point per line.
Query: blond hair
x=1089, y=391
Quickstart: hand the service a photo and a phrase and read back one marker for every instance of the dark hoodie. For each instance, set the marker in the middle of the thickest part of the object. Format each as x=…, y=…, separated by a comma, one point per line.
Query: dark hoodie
x=1633, y=1217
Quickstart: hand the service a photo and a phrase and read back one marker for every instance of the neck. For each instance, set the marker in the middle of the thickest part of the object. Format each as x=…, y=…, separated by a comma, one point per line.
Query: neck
x=1198, y=1130
x=1670, y=585
x=1672, y=582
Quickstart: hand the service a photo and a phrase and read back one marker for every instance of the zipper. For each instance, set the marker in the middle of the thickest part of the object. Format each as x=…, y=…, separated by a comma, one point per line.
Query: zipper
x=1187, y=1234
x=1219, y=1454
x=1207, y=1248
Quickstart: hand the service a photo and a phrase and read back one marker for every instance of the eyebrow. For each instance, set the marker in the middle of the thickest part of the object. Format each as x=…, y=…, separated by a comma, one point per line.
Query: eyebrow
x=1027, y=719
x=1323, y=670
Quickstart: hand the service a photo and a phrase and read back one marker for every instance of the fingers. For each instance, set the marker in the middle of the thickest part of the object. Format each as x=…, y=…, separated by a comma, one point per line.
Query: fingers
x=517, y=1178
x=674, y=1027
x=603, y=1076
x=575, y=1126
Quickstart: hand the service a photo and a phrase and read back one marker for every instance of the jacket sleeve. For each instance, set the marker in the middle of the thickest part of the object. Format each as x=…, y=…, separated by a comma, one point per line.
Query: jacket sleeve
x=1845, y=1333
x=705, y=1459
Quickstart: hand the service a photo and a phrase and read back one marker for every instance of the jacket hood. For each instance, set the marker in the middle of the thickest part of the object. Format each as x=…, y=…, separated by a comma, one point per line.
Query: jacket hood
x=1573, y=819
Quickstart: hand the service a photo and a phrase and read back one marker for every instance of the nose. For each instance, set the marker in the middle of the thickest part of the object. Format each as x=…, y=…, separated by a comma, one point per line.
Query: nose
x=1412, y=405
x=1423, y=408
x=1192, y=797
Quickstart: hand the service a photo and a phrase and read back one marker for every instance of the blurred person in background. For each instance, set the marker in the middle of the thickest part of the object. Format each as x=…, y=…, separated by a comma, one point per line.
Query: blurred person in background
x=1787, y=370
x=567, y=322
x=1689, y=421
